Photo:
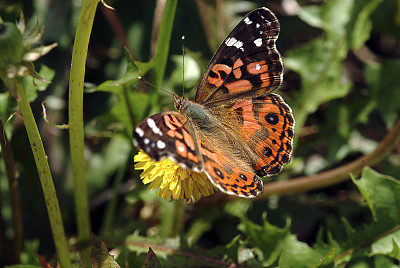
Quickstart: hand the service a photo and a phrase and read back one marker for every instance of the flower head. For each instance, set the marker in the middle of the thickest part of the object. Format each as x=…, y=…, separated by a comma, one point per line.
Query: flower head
x=175, y=182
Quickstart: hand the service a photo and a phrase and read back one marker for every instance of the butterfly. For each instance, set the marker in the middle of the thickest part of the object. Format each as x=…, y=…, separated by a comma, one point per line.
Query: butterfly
x=236, y=131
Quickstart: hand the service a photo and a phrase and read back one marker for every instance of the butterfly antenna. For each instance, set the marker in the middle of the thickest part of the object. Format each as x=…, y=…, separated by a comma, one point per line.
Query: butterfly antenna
x=183, y=65
x=150, y=84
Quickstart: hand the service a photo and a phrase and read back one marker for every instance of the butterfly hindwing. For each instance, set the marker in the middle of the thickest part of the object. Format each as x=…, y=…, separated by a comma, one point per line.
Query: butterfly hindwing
x=227, y=176
x=247, y=62
x=267, y=126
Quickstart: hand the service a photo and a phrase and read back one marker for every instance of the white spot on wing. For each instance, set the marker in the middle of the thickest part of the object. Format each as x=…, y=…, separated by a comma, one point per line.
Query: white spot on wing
x=247, y=20
x=181, y=149
x=258, y=67
x=139, y=131
x=233, y=42
x=257, y=25
x=161, y=144
x=152, y=124
x=146, y=141
x=258, y=42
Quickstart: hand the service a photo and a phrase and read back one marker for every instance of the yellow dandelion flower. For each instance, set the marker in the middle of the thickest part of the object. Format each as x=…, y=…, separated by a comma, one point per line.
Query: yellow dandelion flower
x=174, y=181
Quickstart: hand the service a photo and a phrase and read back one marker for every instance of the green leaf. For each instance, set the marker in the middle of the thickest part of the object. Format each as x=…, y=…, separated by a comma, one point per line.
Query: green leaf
x=279, y=244
x=388, y=246
x=319, y=64
x=151, y=260
x=133, y=70
x=361, y=30
x=383, y=83
x=100, y=255
x=382, y=194
x=7, y=105
x=395, y=253
x=32, y=85
x=102, y=165
x=332, y=16
x=327, y=261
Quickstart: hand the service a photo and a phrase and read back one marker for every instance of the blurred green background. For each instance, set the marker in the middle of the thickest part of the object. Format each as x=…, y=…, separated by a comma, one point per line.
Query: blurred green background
x=342, y=64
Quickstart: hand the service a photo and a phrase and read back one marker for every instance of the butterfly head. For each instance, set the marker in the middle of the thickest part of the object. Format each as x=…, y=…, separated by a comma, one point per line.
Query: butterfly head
x=180, y=102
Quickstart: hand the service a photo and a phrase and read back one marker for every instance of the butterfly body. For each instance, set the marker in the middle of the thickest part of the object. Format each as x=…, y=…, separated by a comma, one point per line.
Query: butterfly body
x=236, y=130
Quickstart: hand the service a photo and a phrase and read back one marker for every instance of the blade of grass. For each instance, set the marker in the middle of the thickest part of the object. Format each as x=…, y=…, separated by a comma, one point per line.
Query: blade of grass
x=76, y=137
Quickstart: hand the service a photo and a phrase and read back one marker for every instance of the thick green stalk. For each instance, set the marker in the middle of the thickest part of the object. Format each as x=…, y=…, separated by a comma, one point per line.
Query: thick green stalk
x=46, y=180
x=76, y=137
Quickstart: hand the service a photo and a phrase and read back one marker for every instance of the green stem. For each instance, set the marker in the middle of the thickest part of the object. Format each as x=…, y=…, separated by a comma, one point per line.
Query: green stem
x=79, y=56
x=163, y=40
x=112, y=205
x=162, y=51
x=46, y=180
x=179, y=209
x=16, y=214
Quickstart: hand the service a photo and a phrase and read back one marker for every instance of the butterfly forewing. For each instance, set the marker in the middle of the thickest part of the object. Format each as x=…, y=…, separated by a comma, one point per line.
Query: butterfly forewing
x=247, y=62
x=166, y=135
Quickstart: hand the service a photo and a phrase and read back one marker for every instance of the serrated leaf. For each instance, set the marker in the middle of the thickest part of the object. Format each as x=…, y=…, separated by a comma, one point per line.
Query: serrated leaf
x=383, y=83
x=100, y=256
x=362, y=27
x=388, y=246
x=382, y=194
x=319, y=64
x=279, y=244
x=326, y=261
x=332, y=16
x=32, y=85
x=367, y=196
x=396, y=250
x=151, y=260
x=7, y=105
x=133, y=70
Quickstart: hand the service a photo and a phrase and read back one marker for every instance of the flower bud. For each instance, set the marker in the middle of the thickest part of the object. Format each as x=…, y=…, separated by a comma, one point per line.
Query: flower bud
x=11, y=45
